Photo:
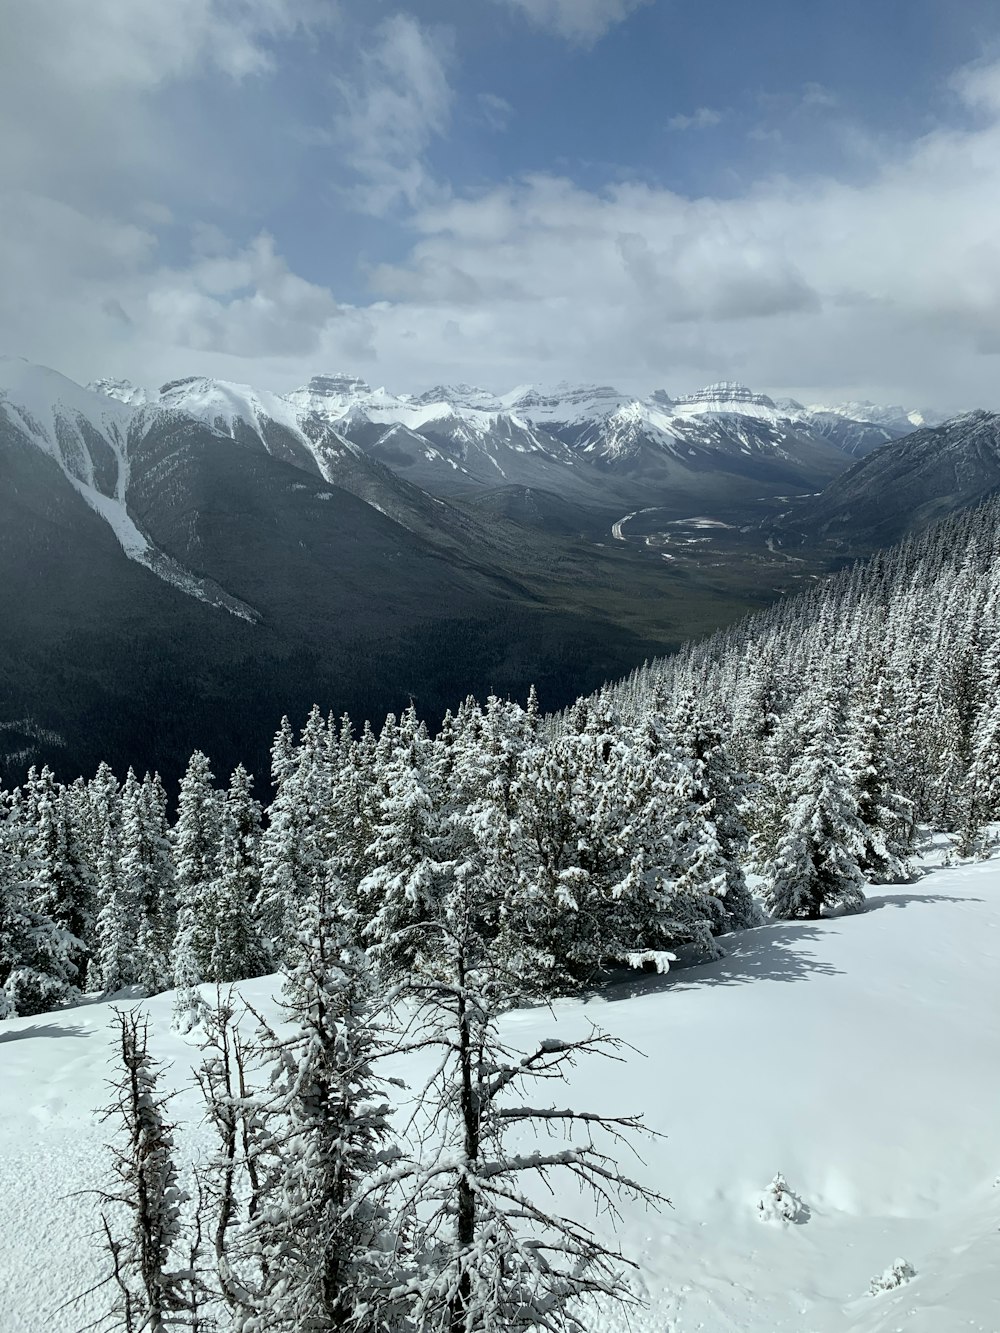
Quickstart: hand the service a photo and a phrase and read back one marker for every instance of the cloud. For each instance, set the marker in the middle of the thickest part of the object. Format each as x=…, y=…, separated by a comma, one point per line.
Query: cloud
x=392, y=108
x=128, y=247
x=247, y=304
x=884, y=287
x=978, y=86
x=702, y=119
x=97, y=99
x=580, y=21
x=496, y=111
x=815, y=95
x=94, y=166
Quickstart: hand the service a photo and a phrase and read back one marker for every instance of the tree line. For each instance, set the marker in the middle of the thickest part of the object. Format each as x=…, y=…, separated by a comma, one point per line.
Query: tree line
x=808, y=743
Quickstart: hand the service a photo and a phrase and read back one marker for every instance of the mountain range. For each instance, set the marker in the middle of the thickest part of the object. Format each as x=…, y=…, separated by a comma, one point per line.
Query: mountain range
x=183, y=566
x=460, y=440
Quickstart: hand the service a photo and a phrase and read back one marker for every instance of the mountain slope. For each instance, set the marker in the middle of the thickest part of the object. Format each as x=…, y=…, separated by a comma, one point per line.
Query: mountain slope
x=904, y=486
x=187, y=580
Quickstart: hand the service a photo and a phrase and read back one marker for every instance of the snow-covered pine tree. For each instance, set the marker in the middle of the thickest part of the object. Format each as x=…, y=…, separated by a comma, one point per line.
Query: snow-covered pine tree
x=65, y=889
x=114, y=963
x=161, y=913
x=477, y=1252
x=36, y=955
x=410, y=849
x=196, y=838
x=135, y=921
x=886, y=814
x=314, y=1254
x=816, y=861
x=294, y=847
x=714, y=837
x=981, y=797
x=151, y=1279
x=237, y=950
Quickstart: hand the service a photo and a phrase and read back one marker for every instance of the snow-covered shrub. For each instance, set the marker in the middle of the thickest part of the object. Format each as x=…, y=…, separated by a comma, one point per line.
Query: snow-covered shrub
x=780, y=1204
x=898, y=1273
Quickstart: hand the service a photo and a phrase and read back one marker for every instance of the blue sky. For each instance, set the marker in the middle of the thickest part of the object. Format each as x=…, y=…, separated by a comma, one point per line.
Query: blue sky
x=653, y=194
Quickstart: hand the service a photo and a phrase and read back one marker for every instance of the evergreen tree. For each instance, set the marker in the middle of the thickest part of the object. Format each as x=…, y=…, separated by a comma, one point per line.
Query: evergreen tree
x=816, y=862
x=237, y=950
x=196, y=838
x=65, y=890
x=885, y=813
x=294, y=848
x=301, y=1239
x=478, y=1253
x=152, y=1284
x=410, y=848
x=36, y=955
x=714, y=837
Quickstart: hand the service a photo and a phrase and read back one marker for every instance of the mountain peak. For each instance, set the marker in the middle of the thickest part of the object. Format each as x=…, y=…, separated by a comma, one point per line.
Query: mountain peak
x=461, y=395
x=121, y=390
x=339, y=385
x=725, y=394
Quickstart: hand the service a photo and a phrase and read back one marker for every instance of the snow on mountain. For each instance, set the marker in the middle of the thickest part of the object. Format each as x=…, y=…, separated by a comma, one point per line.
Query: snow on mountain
x=52, y=409
x=602, y=422
x=123, y=391
x=460, y=395
x=221, y=404
x=452, y=435
x=728, y=397
x=858, y=1056
x=83, y=431
x=565, y=404
x=88, y=432
x=461, y=435
x=899, y=419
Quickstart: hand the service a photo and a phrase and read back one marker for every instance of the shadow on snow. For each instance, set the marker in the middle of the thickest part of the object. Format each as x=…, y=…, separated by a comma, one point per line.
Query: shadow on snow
x=43, y=1030
x=766, y=953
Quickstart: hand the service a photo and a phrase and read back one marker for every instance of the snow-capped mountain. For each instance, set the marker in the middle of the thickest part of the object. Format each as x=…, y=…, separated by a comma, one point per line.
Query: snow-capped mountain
x=456, y=439
x=901, y=488
x=572, y=440
x=123, y=391
x=197, y=545
x=450, y=439
x=589, y=445
x=615, y=427
x=241, y=552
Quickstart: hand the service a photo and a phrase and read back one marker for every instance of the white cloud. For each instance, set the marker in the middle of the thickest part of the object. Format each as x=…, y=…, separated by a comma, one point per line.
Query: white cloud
x=979, y=86
x=815, y=95
x=702, y=119
x=581, y=21
x=92, y=163
x=392, y=109
x=496, y=111
x=887, y=287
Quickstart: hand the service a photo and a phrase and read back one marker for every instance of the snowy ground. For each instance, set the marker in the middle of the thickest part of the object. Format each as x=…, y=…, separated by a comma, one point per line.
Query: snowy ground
x=858, y=1056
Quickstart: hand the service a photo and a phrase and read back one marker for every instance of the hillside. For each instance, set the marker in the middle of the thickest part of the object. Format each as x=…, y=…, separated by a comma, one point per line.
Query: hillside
x=859, y=1056
x=902, y=488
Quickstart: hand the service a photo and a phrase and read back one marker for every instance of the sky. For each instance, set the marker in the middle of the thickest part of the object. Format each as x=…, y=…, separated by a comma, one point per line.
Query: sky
x=645, y=193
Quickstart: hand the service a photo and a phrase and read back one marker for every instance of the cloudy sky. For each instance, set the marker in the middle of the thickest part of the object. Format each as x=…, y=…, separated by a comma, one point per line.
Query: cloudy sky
x=650, y=193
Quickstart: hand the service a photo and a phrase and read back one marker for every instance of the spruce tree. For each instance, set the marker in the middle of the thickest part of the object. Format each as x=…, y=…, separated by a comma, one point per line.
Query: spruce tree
x=816, y=861
x=237, y=950
x=196, y=838
x=142, y=1219
x=312, y=1251
x=477, y=1251
x=36, y=955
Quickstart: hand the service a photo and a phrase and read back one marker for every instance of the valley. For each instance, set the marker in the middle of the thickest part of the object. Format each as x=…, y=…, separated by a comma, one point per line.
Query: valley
x=194, y=562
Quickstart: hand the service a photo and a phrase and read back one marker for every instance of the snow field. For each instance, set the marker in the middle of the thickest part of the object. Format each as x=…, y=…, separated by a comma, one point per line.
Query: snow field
x=858, y=1056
